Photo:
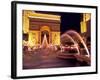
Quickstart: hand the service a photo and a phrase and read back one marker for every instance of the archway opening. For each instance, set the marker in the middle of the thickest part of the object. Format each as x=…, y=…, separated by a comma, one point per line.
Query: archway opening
x=45, y=33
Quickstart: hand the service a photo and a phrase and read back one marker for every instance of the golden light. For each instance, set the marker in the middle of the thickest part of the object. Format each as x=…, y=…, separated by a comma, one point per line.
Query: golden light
x=83, y=27
x=34, y=37
x=86, y=18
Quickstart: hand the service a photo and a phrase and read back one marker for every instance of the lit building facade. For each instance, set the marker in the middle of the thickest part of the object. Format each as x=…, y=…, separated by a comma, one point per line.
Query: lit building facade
x=85, y=25
x=36, y=25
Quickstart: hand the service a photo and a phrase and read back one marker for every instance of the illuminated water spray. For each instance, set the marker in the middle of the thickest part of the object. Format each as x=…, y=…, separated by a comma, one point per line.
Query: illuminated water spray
x=80, y=38
x=75, y=44
x=44, y=42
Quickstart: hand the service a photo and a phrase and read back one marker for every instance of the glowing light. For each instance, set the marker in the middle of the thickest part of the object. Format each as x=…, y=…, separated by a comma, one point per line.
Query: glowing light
x=75, y=44
x=34, y=40
x=82, y=41
x=83, y=27
x=86, y=16
x=56, y=38
x=43, y=16
x=45, y=42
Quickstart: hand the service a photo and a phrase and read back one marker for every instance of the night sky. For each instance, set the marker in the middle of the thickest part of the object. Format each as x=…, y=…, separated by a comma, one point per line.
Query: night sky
x=69, y=21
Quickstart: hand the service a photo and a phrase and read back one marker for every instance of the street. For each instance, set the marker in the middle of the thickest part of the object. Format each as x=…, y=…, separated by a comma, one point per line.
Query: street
x=45, y=58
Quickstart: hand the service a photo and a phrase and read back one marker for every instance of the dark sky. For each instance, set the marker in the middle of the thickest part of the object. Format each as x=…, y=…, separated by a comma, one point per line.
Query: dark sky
x=68, y=20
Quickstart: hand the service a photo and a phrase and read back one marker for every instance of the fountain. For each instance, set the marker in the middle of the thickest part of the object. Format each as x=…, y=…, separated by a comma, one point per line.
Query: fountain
x=70, y=32
x=72, y=41
x=44, y=42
